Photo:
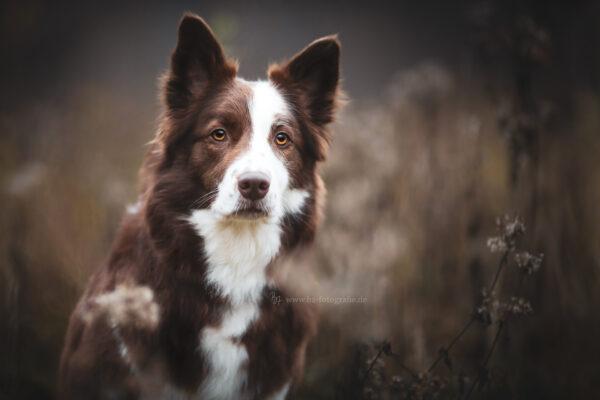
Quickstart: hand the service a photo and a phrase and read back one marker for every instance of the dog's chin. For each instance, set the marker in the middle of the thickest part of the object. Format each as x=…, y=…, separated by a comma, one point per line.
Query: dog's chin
x=250, y=212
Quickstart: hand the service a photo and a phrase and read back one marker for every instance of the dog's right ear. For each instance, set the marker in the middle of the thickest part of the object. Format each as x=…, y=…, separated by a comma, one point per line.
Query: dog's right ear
x=197, y=62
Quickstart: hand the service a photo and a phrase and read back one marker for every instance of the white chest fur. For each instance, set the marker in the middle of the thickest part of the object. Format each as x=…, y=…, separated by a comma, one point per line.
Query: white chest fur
x=237, y=254
x=225, y=355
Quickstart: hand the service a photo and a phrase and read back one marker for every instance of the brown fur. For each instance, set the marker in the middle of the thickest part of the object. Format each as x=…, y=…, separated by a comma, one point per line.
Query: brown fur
x=156, y=248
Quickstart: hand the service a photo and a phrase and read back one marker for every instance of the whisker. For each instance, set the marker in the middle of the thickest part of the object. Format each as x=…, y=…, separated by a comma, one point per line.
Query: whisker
x=203, y=202
x=204, y=199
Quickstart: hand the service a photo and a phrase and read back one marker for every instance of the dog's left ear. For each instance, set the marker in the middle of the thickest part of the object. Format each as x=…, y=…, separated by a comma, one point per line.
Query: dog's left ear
x=311, y=78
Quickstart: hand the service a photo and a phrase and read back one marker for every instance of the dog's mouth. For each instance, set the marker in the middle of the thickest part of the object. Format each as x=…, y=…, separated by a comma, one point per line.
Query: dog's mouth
x=250, y=210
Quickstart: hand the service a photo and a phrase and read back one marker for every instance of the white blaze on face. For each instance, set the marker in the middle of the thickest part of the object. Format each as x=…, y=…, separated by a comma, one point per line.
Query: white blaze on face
x=238, y=250
x=266, y=105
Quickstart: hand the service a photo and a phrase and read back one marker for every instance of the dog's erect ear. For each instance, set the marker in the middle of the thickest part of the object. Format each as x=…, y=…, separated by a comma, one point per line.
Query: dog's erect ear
x=197, y=62
x=312, y=77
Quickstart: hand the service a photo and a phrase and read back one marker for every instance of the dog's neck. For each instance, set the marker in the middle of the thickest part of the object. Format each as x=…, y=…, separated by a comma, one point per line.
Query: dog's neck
x=237, y=254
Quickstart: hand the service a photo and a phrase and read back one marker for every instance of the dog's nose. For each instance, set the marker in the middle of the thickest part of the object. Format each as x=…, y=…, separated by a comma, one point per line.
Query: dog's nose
x=253, y=185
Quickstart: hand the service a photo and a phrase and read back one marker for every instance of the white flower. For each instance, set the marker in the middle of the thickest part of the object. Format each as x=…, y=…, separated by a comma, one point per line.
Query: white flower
x=518, y=306
x=528, y=262
x=513, y=228
x=497, y=244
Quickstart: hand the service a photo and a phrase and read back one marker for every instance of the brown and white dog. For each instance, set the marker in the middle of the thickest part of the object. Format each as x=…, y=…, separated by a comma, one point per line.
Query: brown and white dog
x=183, y=307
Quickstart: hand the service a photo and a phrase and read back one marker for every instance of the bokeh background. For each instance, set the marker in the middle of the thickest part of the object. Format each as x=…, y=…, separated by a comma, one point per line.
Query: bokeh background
x=459, y=112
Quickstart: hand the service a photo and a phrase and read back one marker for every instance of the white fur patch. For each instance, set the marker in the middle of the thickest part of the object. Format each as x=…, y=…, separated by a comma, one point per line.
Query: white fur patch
x=226, y=377
x=238, y=250
x=266, y=105
x=293, y=200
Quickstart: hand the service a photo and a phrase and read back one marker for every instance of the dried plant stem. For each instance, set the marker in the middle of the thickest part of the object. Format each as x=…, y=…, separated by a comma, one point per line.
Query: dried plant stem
x=379, y=353
x=501, y=265
x=446, y=350
x=426, y=382
x=404, y=367
x=501, y=325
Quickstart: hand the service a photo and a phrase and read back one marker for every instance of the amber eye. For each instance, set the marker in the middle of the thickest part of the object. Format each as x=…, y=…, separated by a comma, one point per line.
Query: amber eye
x=282, y=139
x=218, y=134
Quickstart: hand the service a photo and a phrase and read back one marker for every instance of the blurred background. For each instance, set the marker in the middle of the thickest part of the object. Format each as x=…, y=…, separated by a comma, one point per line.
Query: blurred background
x=459, y=112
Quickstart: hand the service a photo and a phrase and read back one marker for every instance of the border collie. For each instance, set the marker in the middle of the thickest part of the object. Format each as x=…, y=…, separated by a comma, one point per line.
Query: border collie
x=183, y=306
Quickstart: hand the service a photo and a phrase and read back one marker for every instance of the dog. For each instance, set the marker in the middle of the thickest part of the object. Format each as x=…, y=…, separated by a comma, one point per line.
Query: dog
x=183, y=307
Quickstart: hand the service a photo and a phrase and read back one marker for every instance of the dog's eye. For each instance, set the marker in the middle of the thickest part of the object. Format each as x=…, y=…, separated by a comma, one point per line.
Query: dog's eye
x=218, y=134
x=282, y=139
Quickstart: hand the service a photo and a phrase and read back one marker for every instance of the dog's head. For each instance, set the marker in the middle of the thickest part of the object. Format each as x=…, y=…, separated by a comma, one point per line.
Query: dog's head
x=245, y=151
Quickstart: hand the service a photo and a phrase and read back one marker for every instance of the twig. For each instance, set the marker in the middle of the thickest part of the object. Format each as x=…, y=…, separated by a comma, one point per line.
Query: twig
x=487, y=359
x=501, y=323
x=379, y=353
x=499, y=270
x=445, y=350
x=404, y=367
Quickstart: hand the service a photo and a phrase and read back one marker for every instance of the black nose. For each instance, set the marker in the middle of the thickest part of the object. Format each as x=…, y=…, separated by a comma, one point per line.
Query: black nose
x=253, y=185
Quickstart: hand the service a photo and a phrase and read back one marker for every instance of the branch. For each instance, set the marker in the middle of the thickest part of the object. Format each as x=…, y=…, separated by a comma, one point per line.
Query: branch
x=501, y=265
x=404, y=367
x=445, y=350
x=487, y=359
x=364, y=378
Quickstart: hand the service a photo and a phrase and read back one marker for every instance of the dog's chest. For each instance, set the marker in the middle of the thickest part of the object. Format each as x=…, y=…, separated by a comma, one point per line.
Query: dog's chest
x=228, y=360
x=226, y=355
x=237, y=256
